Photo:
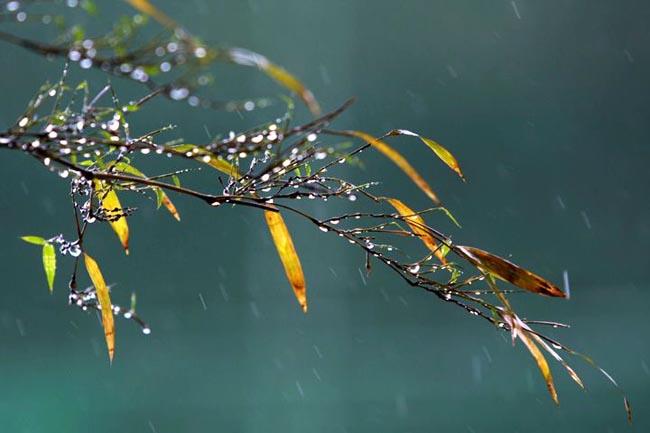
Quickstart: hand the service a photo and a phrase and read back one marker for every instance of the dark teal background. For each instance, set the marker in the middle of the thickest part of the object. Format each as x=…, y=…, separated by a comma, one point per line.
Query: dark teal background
x=549, y=116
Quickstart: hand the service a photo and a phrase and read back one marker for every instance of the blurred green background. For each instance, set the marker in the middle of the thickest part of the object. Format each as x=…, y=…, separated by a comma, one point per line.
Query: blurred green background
x=546, y=105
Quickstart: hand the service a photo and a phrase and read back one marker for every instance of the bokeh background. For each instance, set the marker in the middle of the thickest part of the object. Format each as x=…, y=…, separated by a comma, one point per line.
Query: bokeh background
x=546, y=105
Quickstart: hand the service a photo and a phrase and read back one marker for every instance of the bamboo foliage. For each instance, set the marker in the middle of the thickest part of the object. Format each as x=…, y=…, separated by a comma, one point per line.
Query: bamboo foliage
x=85, y=135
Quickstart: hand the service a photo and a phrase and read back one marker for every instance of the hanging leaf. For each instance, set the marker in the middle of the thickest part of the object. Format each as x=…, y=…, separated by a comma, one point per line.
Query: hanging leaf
x=628, y=409
x=49, y=264
x=437, y=148
x=551, y=351
x=170, y=206
x=419, y=228
x=245, y=57
x=112, y=206
x=288, y=255
x=399, y=161
x=508, y=271
x=542, y=364
x=147, y=8
x=104, y=299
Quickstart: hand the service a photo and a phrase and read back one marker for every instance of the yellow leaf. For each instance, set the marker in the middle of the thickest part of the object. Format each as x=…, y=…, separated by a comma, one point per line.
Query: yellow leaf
x=206, y=157
x=508, y=271
x=398, y=160
x=437, y=148
x=444, y=154
x=542, y=364
x=283, y=77
x=112, y=206
x=249, y=58
x=288, y=255
x=417, y=224
x=147, y=8
x=104, y=299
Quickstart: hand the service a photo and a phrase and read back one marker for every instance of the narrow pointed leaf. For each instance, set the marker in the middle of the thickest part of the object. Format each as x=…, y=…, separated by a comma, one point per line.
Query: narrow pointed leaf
x=437, y=148
x=34, y=240
x=249, y=58
x=112, y=205
x=104, y=298
x=508, y=271
x=628, y=409
x=419, y=228
x=288, y=256
x=399, y=161
x=283, y=77
x=542, y=364
x=147, y=8
x=170, y=206
x=49, y=264
x=552, y=352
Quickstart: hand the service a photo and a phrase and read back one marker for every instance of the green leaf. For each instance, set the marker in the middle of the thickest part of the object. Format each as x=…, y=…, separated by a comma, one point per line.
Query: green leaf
x=89, y=6
x=49, y=264
x=159, y=197
x=449, y=215
x=35, y=240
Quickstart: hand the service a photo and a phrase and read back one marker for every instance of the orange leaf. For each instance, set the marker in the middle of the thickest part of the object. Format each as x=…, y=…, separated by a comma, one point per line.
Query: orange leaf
x=417, y=224
x=104, y=299
x=170, y=207
x=112, y=206
x=399, y=161
x=510, y=272
x=288, y=255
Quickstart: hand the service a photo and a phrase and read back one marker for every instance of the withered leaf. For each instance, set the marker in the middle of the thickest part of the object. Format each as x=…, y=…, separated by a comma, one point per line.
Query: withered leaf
x=508, y=271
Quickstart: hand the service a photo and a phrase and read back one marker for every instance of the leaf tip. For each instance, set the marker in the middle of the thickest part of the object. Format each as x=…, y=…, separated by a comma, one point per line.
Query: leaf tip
x=628, y=409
